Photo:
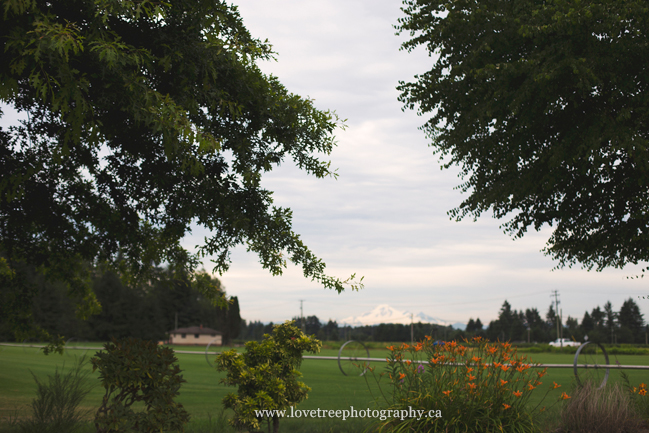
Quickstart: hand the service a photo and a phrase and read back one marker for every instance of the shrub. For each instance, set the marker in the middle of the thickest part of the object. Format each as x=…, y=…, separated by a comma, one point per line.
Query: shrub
x=266, y=375
x=56, y=407
x=458, y=388
x=594, y=410
x=133, y=370
x=639, y=396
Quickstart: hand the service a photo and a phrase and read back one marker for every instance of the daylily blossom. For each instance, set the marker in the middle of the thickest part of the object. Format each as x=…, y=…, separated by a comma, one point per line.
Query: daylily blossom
x=565, y=396
x=518, y=393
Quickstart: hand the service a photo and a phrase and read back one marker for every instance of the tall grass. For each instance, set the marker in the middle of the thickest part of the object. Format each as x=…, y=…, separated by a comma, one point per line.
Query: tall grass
x=594, y=410
x=56, y=406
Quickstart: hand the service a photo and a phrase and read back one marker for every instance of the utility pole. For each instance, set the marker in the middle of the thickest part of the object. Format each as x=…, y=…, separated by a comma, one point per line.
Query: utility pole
x=556, y=309
x=302, y=315
x=412, y=332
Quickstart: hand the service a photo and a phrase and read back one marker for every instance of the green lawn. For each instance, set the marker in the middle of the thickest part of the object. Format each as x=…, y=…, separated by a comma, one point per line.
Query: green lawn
x=202, y=394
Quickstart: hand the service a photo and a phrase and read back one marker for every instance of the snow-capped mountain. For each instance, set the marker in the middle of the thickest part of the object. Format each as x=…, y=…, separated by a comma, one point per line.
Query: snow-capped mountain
x=385, y=314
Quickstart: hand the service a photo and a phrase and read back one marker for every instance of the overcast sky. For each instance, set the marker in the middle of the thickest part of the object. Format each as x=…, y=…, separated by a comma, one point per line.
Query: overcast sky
x=385, y=217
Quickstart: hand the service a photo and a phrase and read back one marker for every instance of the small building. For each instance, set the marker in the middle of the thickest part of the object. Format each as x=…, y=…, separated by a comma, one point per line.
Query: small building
x=196, y=335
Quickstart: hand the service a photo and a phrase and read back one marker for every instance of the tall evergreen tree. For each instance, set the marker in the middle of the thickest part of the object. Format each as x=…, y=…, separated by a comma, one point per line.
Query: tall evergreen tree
x=630, y=318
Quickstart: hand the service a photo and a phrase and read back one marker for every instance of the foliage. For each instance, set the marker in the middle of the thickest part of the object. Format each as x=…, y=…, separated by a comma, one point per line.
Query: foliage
x=132, y=371
x=595, y=410
x=56, y=407
x=630, y=318
x=639, y=396
x=543, y=106
x=478, y=387
x=143, y=119
x=266, y=375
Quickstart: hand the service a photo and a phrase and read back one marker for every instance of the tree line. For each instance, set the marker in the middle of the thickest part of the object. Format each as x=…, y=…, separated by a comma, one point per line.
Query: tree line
x=601, y=325
x=148, y=311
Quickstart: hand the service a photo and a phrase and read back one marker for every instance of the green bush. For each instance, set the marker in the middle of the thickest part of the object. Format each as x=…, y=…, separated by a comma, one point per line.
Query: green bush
x=482, y=387
x=133, y=370
x=56, y=407
x=266, y=375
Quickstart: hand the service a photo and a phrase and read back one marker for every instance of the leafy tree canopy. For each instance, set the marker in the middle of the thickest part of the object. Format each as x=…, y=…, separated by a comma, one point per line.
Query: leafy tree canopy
x=543, y=105
x=145, y=118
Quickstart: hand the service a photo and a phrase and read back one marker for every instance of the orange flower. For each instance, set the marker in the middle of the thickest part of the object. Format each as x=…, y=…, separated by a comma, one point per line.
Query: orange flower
x=530, y=387
x=504, y=368
x=428, y=337
x=418, y=347
x=538, y=383
x=642, y=385
x=519, y=369
x=506, y=406
x=472, y=385
x=476, y=359
x=502, y=382
x=506, y=357
x=471, y=378
x=434, y=360
x=408, y=362
x=492, y=350
x=556, y=385
x=497, y=364
x=642, y=392
x=446, y=392
x=390, y=348
x=506, y=345
x=477, y=339
x=401, y=376
x=453, y=343
x=542, y=373
x=518, y=393
x=565, y=396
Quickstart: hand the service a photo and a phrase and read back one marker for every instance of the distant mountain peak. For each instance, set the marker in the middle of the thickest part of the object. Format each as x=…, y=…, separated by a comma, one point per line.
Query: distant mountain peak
x=383, y=313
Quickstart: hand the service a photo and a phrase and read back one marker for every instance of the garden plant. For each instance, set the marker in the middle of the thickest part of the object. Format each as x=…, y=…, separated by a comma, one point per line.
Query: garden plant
x=592, y=409
x=639, y=397
x=56, y=406
x=477, y=386
x=267, y=376
x=132, y=371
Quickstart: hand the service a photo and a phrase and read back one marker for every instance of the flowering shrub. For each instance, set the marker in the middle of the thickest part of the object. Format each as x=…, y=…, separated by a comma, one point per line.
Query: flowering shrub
x=480, y=386
x=640, y=397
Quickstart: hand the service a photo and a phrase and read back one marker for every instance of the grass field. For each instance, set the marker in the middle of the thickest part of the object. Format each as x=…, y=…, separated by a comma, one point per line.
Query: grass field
x=202, y=394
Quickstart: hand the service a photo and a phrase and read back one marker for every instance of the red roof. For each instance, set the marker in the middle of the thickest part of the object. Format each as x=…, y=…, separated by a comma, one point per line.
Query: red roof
x=196, y=330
